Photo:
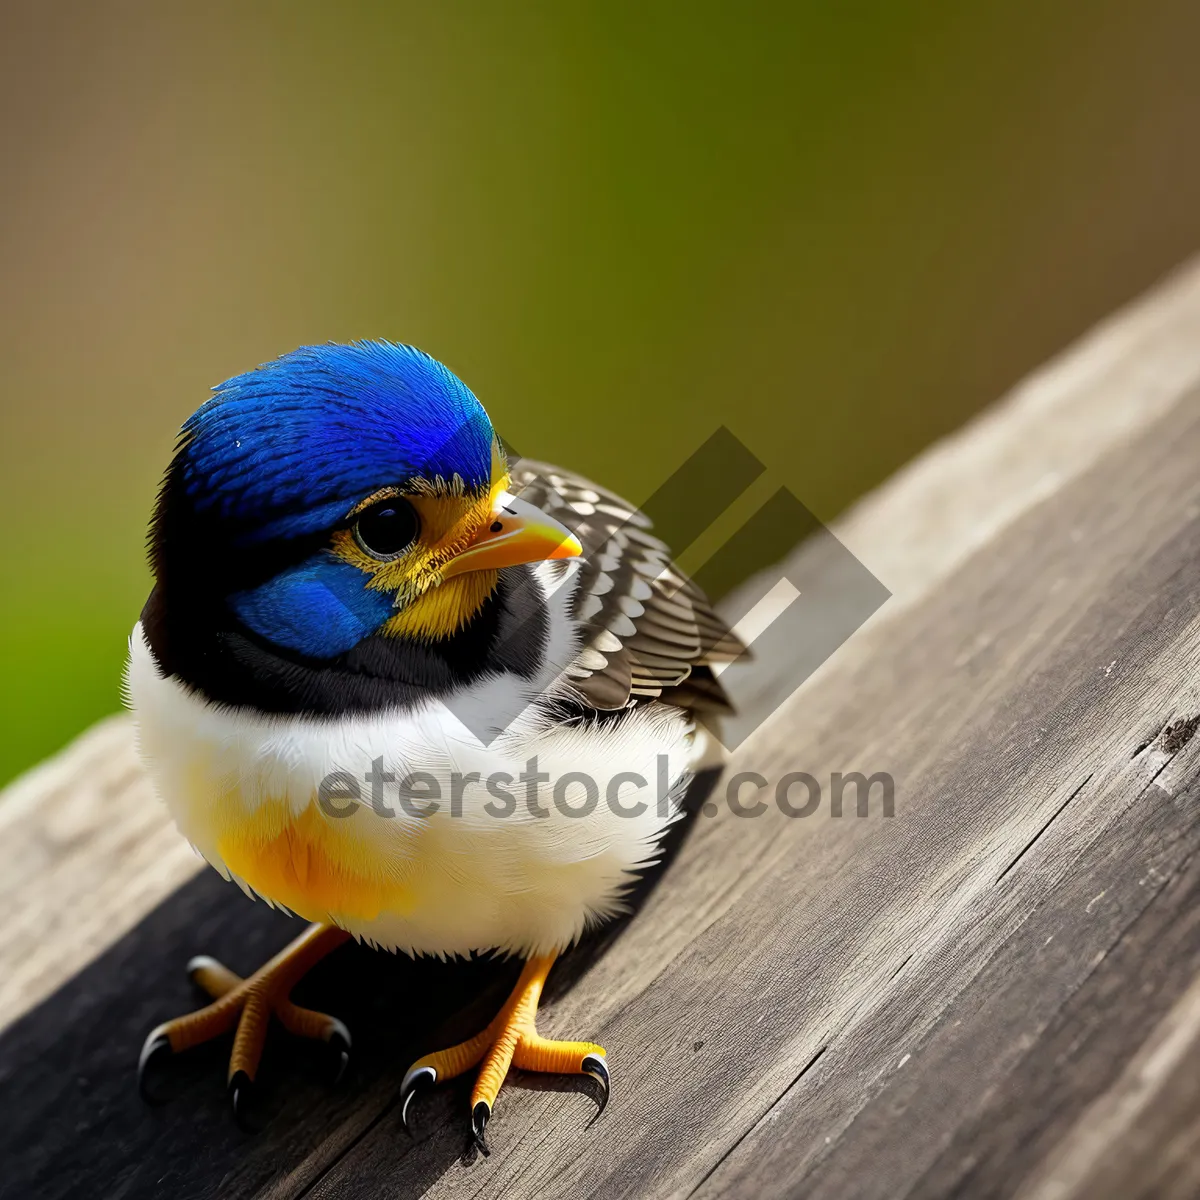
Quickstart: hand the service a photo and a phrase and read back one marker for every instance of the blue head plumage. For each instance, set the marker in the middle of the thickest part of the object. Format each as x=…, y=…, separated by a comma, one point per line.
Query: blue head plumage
x=282, y=450
x=278, y=456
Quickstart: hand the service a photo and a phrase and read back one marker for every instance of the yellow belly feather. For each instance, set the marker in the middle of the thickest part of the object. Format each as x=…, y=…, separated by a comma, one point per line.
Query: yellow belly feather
x=309, y=864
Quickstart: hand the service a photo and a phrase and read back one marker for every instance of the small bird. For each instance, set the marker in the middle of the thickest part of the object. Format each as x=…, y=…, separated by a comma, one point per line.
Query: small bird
x=414, y=692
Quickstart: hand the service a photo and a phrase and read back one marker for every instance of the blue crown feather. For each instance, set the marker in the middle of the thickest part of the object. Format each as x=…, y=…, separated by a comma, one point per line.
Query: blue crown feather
x=286, y=449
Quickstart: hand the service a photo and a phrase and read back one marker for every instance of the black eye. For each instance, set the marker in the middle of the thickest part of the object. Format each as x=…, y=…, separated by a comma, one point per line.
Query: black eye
x=387, y=527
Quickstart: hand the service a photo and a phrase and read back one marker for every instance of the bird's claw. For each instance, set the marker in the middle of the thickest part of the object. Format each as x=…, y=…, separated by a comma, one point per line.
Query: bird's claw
x=596, y=1068
x=510, y=1040
x=241, y=1098
x=593, y=1066
x=246, y=1007
x=155, y=1049
x=415, y=1078
x=479, y=1119
x=339, y=1043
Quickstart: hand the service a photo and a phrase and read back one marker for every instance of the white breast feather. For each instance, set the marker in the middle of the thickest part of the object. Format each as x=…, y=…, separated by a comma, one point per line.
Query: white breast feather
x=519, y=883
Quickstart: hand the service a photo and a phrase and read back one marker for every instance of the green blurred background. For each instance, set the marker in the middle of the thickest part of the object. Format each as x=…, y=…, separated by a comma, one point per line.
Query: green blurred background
x=839, y=229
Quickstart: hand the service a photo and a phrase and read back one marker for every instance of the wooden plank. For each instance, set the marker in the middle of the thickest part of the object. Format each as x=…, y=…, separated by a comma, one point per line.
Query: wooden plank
x=1149, y=980
x=63, y=829
x=1038, y=1029
x=1078, y=716
x=842, y=1007
x=1142, y=1136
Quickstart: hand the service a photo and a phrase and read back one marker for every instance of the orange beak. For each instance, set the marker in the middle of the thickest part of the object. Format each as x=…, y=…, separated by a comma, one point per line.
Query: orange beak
x=517, y=533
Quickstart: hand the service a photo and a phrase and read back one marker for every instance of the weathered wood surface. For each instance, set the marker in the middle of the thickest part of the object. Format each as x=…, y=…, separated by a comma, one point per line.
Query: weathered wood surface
x=992, y=993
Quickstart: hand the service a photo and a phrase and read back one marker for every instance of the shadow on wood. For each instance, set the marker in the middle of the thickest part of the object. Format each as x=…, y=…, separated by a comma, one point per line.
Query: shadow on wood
x=79, y=1128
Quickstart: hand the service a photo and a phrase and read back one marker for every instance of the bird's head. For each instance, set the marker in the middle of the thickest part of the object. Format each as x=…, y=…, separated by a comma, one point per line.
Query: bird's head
x=343, y=508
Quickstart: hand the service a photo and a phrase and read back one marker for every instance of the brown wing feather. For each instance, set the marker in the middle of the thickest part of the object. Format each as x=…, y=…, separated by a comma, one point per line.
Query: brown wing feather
x=649, y=631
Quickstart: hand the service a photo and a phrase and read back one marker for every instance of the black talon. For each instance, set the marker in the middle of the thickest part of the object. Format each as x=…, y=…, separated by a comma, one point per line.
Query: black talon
x=241, y=1096
x=339, y=1044
x=155, y=1049
x=479, y=1120
x=414, y=1078
x=594, y=1066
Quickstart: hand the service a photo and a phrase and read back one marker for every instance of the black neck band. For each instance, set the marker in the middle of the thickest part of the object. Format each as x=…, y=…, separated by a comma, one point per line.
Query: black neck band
x=196, y=639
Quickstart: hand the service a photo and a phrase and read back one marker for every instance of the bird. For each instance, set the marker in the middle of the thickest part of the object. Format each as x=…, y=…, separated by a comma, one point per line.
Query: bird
x=413, y=688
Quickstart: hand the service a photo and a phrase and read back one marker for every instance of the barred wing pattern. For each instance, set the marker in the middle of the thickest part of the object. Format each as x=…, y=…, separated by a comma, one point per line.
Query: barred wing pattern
x=649, y=631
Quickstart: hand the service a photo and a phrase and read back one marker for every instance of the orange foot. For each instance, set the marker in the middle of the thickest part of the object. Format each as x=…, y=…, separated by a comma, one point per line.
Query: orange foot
x=249, y=1004
x=511, y=1039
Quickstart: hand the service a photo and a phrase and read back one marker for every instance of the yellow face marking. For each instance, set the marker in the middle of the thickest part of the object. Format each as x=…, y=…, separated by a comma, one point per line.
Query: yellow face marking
x=443, y=610
x=428, y=607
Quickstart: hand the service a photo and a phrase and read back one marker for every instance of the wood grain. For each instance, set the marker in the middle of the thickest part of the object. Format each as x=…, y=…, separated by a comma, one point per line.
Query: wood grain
x=992, y=992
